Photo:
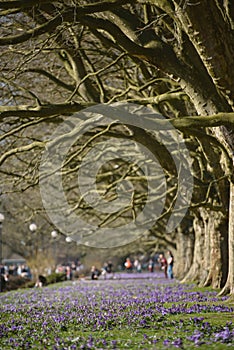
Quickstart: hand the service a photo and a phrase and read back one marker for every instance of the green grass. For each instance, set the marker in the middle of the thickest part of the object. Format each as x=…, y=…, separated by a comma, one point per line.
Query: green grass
x=151, y=335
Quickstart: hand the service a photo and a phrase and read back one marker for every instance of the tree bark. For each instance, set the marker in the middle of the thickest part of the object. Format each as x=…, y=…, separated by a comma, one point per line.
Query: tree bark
x=229, y=285
x=184, y=252
x=217, y=262
x=194, y=273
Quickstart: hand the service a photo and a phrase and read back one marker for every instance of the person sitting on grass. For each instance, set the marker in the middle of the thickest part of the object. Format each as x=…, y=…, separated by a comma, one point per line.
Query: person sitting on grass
x=107, y=269
x=41, y=281
x=95, y=273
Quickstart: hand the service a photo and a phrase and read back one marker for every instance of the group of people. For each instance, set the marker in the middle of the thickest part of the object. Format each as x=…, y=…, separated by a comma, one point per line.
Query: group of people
x=15, y=270
x=106, y=269
x=164, y=262
x=167, y=264
x=71, y=269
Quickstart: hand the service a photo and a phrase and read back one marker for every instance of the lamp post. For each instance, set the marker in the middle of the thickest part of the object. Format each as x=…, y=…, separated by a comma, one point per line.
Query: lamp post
x=33, y=228
x=68, y=239
x=54, y=235
x=1, y=221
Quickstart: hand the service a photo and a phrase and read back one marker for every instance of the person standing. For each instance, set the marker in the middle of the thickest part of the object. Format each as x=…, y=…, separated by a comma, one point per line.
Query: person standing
x=151, y=266
x=137, y=265
x=128, y=265
x=170, y=263
x=163, y=262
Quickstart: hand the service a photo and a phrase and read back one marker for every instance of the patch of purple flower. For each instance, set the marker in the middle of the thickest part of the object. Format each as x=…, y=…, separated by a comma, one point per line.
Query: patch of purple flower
x=91, y=315
x=197, y=337
x=178, y=343
x=225, y=335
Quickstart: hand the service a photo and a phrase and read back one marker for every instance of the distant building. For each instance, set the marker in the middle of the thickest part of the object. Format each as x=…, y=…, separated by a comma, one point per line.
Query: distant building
x=14, y=261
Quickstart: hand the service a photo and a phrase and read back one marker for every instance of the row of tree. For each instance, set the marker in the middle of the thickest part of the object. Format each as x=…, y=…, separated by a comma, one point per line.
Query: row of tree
x=171, y=58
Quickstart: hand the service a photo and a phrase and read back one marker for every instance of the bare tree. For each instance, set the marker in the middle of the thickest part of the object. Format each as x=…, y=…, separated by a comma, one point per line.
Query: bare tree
x=175, y=56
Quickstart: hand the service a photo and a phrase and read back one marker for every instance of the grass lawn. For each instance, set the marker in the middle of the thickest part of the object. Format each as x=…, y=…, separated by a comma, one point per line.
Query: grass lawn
x=125, y=313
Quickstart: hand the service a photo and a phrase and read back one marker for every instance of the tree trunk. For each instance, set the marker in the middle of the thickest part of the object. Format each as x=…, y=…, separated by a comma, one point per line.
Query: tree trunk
x=194, y=273
x=217, y=261
x=205, y=266
x=229, y=285
x=184, y=252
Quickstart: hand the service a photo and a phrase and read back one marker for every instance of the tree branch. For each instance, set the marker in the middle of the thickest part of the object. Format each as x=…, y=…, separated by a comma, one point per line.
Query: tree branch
x=184, y=123
x=68, y=14
x=88, y=8
x=16, y=150
x=50, y=76
x=41, y=111
x=218, y=119
x=168, y=96
x=21, y=4
x=42, y=29
x=25, y=125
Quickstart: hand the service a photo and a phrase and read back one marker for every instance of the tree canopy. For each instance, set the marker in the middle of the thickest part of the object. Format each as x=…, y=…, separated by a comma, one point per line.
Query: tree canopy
x=172, y=57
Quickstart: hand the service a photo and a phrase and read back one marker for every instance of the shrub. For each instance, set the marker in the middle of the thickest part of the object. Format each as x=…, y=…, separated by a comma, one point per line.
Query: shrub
x=55, y=277
x=15, y=282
